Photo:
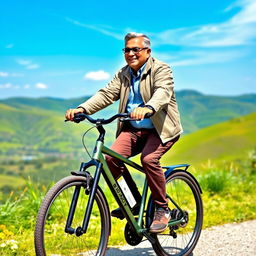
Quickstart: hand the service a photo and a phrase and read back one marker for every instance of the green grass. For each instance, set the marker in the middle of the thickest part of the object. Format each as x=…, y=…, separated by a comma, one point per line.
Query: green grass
x=7, y=179
x=228, y=196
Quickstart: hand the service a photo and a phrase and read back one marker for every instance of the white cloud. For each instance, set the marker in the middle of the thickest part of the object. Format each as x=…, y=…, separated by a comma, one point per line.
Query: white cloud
x=211, y=43
x=247, y=14
x=238, y=30
x=28, y=64
x=102, y=29
x=32, y=66
x=24, y=62
x=97, y=75
x=6, y=86
x=200, y=56
x=205, y=57
x=41, y=86
x=3, y=74
x=6, y=74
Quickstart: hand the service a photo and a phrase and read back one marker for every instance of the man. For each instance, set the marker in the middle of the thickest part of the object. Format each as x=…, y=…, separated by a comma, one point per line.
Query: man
x=143, y=86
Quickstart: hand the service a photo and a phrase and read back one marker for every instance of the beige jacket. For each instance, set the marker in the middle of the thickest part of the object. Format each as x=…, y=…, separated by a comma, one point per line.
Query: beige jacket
x=156, y=88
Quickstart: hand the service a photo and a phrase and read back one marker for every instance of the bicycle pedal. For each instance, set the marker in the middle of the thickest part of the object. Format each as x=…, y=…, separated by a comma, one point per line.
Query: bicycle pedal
x=117, y=213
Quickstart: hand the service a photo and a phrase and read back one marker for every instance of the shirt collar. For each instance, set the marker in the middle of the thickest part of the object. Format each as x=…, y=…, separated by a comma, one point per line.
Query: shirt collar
x=139, y=72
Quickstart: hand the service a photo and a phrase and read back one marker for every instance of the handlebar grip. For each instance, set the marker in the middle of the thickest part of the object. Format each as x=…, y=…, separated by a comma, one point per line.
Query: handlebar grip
x=79, y=118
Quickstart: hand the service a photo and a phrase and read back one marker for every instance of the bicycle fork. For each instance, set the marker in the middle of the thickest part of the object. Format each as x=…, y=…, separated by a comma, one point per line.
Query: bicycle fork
x=89, y=190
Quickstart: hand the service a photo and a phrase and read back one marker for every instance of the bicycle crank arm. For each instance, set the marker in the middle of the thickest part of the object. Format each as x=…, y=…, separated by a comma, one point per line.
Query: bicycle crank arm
x=148, y=236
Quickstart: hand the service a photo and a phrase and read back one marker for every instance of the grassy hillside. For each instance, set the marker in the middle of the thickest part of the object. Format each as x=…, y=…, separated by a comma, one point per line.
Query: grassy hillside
x=224, y=141
x=197, y=110
x=34, y=130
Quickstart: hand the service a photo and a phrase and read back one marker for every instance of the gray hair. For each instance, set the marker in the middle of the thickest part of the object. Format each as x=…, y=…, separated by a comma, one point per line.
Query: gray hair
x=133, y=35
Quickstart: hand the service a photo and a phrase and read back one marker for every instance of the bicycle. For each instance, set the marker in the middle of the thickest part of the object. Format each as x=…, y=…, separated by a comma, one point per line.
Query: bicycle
x=74, y=217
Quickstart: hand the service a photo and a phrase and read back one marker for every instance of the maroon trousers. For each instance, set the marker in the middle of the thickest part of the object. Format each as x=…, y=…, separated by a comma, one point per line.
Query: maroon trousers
x=131, y=142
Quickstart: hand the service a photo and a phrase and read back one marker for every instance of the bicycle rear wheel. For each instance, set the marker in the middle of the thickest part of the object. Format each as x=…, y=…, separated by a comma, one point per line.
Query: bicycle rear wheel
x=185, y=204
x=50, y=236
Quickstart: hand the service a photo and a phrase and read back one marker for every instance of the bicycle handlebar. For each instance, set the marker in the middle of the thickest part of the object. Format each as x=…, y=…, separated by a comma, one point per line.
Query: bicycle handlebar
x=81, y=116
x=100, y=121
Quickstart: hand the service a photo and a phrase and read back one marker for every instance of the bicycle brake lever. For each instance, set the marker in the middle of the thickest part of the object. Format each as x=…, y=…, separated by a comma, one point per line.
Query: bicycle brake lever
x=124, y=119
x=71, y=120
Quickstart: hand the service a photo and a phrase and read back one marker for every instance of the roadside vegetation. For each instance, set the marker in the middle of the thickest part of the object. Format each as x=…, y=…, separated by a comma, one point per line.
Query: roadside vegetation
x=228, y=196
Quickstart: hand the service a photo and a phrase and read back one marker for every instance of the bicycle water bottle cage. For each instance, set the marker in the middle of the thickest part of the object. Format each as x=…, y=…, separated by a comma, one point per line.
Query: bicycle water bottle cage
x=89, y=180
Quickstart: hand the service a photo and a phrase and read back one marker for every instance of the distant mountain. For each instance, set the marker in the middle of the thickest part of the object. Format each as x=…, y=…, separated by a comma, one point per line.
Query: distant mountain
x=198, y=110
x=225, y=141
x=46, y=103
x=36, y=124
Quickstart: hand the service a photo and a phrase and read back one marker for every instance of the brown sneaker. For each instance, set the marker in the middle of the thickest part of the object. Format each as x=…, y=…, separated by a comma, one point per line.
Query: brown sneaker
x=161, y=219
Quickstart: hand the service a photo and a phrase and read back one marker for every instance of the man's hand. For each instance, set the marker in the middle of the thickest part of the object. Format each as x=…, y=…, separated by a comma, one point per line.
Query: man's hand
x=140, y=112
x=71, y=112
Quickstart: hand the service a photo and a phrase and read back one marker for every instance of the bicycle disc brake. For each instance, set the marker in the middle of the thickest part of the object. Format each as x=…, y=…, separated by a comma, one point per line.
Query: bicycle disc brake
x=131, y=236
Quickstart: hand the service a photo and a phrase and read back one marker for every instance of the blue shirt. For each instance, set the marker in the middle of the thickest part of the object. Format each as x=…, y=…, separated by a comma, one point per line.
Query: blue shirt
x=135, y=100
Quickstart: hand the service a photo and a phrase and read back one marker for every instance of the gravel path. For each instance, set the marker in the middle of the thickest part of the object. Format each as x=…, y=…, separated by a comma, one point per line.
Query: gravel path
x=227, y=240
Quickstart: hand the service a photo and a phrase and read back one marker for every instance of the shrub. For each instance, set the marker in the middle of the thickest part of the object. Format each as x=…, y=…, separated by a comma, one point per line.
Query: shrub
x=215, y=181
x=20, y=211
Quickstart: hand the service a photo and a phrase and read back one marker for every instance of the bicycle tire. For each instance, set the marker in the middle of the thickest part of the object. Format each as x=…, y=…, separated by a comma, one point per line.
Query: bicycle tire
x=180, y=240
x=50, y=237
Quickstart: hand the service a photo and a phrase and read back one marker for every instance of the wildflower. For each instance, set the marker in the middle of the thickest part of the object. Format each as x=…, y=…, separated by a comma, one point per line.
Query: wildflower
x=14, y=247
x=12, y=244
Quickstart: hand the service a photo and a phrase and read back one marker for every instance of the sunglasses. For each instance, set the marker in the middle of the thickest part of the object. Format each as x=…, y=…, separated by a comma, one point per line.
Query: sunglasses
x=133, y=49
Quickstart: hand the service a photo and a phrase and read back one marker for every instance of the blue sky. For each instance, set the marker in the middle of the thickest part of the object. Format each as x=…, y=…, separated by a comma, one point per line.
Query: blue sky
x=72, y=48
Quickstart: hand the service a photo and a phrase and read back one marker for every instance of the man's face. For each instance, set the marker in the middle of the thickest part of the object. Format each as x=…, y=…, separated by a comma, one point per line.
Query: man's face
x=136, y=59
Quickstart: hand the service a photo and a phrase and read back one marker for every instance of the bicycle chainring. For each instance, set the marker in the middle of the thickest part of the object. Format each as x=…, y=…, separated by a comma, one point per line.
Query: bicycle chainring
x=131, y=236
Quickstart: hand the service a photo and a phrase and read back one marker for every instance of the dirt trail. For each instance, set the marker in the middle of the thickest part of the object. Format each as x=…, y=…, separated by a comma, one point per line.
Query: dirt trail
x=227, y=240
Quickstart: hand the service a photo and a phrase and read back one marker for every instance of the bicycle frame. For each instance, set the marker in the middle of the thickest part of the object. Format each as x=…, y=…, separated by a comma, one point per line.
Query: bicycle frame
x=77, y=206
x=100, y=163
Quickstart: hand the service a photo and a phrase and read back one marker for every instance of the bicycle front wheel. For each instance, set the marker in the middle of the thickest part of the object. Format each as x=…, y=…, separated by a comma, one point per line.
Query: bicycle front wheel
x=185, y=227
x=50, y=236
